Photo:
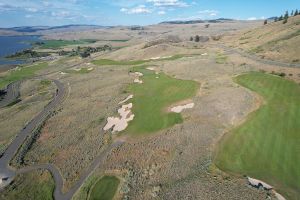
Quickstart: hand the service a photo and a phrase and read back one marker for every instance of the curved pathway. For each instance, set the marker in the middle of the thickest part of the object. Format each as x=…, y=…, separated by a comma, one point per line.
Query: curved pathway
x=7, y=173
x=257, y=58
x=12, y=94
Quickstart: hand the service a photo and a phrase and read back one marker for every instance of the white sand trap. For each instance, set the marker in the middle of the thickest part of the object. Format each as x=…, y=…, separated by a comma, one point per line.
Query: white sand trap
x=157, y=77
x=138, y=81
x=204, y=54
x=77, y=69
x=138, y=74
x=258, y=183
x=125, y=100
x=155, y=58
x=279, y=196
x=151, y=68
x=90, y=69
x=179, y=109
x=120, y=124
x=62, y=73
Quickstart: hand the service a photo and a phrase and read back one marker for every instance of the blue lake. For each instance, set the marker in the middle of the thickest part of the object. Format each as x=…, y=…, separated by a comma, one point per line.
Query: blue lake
x=12, y=44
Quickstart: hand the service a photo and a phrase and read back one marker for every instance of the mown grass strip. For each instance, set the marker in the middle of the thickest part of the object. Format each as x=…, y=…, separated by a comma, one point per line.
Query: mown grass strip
x=21, y=73
x=152, y=98
x=267, y=145
x=105, y=188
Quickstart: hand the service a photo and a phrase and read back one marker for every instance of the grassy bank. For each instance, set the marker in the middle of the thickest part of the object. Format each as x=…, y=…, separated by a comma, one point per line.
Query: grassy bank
x=267, y=145
x=33, y=185
x=21, y=73
x=138, y=62
x=105, y=188
x=152, y=98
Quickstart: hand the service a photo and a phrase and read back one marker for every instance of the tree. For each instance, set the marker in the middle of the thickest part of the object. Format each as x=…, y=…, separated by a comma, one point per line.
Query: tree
x=191, y=38
x=197, y=38
x=286, y=15
x=292, y=13
x=265, y=22
x=275, y=19
x=280, y=18
x=296, y=12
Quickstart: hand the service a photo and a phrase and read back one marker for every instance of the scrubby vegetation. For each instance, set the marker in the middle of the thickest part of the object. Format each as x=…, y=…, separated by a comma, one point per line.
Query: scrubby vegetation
x=28, y=53
x=105, y=188
x=21, y=73
x=33, y=185
x=150, y=108
x=266, y=146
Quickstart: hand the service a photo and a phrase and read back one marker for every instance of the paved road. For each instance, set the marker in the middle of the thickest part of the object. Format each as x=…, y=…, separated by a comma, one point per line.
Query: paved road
x=257, y=58
x=58, y=179
x=9, y=173
x=12, y=94
x=5, y=170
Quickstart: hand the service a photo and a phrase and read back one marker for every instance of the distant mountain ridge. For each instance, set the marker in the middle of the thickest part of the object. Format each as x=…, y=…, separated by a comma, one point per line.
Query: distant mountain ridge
x=33, y=29
x=219, y=20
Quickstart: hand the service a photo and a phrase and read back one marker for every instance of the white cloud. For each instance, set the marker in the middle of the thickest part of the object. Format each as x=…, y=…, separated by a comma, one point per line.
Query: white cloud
x=168, y=3
x=141, y=9
x=161, y=12
x=209, y=12
x=252, y=18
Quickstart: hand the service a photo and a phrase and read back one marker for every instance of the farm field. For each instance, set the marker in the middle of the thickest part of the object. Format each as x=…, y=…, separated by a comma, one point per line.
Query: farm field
x=266, y=146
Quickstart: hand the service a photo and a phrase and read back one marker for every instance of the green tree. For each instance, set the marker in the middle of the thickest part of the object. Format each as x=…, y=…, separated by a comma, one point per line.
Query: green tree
x=275, y=19
x=280, y=18
x=292, y=13
x=197, y=38
x=296, y=12
x=286, y=15
x=265, y=22
x=191, y=38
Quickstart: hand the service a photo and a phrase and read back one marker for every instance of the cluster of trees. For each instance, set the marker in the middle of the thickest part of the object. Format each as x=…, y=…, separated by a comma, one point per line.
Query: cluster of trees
x=284, y=18
x=85, y=52
x=28, y=53
x=198, y=38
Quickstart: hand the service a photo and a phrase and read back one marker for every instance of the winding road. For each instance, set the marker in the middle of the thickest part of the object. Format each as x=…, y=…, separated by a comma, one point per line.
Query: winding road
x=256, y=58
x=12, y=94
x=7, y=173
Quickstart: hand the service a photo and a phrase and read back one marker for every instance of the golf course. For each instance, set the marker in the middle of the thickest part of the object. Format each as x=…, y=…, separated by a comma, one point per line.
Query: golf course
x=150, y=108
x=266, y=146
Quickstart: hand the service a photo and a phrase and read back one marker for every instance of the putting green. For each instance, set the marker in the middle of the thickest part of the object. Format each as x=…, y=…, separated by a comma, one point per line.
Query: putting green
x=267, y=145
x=152, y=98
x=105, y=188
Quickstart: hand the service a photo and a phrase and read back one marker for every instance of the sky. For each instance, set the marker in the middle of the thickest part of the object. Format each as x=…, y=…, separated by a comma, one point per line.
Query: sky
x=134, y=12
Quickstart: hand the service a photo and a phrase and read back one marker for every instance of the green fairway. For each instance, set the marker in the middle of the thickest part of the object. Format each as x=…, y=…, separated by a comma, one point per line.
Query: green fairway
x=267, y=145
x=137, y=62
x=53, y=44
x=113, y=62
x=152, y=98
x=105, y=188
x=21, y=73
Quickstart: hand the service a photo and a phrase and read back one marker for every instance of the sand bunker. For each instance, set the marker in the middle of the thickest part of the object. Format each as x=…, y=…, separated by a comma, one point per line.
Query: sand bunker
x=120, y=124
x=138, y=74
x=137, y=80
x=179, y=109
x=258, y=183
x=77, y=69
x=204, y=54
x=125, y=100
x=90, y=69
x=157, y=58
x=62, y=73
x=151, y=68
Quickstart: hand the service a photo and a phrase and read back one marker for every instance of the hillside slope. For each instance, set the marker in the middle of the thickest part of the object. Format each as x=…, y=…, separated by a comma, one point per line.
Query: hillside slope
x=275, y=41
